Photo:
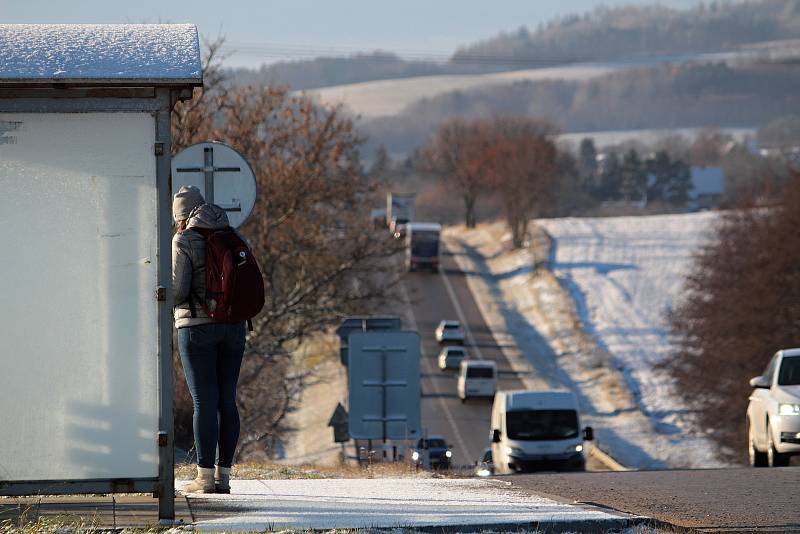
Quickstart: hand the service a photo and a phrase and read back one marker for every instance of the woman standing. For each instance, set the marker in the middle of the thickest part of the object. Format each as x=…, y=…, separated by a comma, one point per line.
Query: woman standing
x=211, y=352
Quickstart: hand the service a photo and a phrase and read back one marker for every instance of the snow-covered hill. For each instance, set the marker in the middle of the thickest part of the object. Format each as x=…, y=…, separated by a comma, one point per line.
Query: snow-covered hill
x=388, y=97
x=595, y=322
x=625, y=274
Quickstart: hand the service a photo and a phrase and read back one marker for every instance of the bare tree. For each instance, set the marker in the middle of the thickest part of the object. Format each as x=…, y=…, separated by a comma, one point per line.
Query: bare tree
x=458, y=152
x=310, y=231
x=523, y=168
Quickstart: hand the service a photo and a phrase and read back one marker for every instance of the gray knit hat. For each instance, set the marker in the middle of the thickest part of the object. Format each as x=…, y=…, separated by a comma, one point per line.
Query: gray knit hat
x=185, y=200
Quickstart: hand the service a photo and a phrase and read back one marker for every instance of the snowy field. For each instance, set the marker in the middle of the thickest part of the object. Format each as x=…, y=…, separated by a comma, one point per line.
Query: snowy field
x=596, y=323
x=625, y=274
x=388, y=97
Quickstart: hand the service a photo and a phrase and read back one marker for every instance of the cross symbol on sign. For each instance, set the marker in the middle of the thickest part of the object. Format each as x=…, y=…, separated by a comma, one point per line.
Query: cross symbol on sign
x=208, y=170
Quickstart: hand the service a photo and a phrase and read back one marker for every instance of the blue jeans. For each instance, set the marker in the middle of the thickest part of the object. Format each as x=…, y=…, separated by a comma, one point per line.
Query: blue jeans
x=212, y=356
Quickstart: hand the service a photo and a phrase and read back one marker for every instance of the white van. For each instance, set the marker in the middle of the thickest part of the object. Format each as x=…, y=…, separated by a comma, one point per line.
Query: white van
x=537, y=430
x=477, y=378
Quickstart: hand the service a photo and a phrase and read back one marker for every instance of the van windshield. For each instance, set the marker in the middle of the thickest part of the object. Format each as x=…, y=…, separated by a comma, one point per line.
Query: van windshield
x=480, y=372
x=540, y=425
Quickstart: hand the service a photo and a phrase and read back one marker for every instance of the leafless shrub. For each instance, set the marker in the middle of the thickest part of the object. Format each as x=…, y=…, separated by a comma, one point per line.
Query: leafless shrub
x=741, y=304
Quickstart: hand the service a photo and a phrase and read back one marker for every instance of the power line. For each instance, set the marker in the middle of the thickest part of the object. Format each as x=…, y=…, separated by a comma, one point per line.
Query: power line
x=298, y=51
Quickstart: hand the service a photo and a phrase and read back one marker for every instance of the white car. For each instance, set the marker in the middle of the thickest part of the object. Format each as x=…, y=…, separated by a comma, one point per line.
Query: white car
x=451, y=357
x=773, y=415
x=477, y=378
x=450, y=331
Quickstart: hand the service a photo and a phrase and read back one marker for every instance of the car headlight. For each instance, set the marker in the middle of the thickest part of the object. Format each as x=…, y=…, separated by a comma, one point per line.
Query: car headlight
x=514, y=450
x=415, y=456
x=449, y=454
x=576, y=448
x=789, y=409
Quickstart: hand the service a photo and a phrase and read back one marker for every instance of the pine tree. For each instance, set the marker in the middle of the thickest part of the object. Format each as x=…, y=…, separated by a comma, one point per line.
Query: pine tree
x=610, y=176
x=587, y=162
x=660, y=170
x=677, y=192
x=633, y=177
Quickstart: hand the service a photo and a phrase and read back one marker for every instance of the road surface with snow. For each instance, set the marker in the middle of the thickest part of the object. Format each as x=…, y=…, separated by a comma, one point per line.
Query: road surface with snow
x=256, y=505
x=597, y=323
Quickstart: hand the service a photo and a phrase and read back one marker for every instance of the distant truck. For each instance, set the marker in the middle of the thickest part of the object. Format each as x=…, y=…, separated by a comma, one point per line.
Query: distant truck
x=399, y=211
x=422, y=245
x=535, y=430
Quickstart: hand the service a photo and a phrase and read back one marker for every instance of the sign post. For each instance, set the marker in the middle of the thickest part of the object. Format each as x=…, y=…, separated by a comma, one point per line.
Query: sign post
x=223, y=176
x=384, y=385
x=353, y=324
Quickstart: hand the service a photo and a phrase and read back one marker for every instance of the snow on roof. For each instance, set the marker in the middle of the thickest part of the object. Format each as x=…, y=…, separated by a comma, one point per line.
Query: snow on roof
x=90, y=53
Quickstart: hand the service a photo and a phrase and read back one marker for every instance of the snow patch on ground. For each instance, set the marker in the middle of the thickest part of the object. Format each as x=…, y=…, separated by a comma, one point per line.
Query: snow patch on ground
x=311, y=439
x=601, y=336
x=255, y=505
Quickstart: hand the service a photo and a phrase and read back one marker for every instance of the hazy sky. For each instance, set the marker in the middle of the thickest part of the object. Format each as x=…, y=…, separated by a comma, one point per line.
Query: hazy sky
x=288, y=28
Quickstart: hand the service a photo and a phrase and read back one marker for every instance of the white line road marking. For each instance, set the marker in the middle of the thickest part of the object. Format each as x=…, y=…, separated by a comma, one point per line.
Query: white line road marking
x=426, y=361
x=459, y=311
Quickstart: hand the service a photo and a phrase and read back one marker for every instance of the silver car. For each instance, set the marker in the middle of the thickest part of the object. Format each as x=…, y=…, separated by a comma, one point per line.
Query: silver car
x=451, y=357
x=773, y=415
x=450, y=331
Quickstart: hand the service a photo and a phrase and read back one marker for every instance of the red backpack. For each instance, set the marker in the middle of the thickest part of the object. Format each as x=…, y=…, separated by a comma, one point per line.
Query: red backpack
x=234, y=286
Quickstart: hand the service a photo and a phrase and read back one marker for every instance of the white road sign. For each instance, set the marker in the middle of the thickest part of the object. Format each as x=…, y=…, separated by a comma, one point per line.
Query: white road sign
x=384, y=385
x=223, y=176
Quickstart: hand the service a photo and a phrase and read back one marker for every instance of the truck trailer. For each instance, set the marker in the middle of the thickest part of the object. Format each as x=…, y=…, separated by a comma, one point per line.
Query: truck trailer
x=423, y=246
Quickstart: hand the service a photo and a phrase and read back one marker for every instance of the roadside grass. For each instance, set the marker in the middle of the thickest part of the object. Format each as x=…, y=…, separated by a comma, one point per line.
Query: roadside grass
x=267, y=471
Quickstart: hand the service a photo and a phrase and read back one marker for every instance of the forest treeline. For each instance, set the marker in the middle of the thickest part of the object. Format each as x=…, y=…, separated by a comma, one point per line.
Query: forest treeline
x=664, y=96
x=609, y=33
x=603, y=34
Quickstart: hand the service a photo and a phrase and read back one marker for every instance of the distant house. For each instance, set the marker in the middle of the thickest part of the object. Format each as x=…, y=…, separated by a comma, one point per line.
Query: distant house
x=708, y=185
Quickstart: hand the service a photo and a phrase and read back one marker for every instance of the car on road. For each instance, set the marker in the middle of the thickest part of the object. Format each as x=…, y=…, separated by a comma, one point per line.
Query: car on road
x=537, y=430
x=437, y=450
x=477, y=378
x=450, y=331
x=484, y=467
x=773, y=414
x=451, y=357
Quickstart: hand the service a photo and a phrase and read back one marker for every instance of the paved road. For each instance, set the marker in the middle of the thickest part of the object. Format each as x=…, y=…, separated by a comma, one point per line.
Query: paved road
x=446, y=295
x=719, y=500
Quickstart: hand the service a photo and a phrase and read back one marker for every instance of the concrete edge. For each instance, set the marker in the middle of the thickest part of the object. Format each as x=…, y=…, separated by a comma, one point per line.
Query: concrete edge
x=598, y=526
x=605, y=458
